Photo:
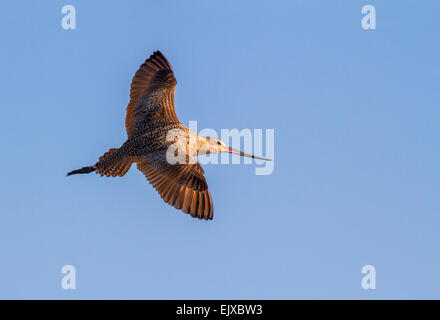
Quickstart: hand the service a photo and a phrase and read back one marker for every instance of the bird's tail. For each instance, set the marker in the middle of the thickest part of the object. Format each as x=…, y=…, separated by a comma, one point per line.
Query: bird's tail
x=113, y=163
x=82, y=170
x=110, y=164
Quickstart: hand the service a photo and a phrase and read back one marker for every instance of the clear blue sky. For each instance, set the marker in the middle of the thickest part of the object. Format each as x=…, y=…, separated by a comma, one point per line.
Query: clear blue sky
x=356, y=180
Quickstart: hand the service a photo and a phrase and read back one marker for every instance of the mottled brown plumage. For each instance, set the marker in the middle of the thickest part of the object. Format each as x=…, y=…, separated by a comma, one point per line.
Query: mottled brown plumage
x=150, y=122
x=150, y=116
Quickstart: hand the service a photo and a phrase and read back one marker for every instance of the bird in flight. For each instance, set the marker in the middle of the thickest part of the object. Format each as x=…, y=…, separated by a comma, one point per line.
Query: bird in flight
x=150, y=119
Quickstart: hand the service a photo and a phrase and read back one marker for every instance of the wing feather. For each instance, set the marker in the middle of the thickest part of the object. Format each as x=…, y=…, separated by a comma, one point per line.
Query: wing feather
x=151, y=94
x=180, y=185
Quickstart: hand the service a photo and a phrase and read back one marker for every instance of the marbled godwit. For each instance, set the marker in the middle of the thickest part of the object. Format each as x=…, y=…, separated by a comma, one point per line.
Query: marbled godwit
x=150, y=117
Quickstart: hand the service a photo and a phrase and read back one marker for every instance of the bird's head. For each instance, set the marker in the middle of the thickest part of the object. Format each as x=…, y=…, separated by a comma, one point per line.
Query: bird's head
x=213, y=145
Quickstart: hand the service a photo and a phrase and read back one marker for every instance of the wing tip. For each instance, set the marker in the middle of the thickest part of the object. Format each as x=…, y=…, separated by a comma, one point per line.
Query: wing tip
x=158, y=58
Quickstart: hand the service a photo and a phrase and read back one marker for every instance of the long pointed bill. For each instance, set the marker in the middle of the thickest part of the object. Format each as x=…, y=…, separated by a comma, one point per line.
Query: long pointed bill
x=241, y=153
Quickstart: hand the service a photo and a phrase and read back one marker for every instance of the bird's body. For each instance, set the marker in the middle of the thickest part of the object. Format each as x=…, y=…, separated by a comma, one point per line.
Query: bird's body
x=153, y=129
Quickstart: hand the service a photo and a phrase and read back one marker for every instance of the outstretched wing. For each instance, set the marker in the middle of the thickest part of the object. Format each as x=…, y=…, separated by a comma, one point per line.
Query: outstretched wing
x=151, y=94
x=180, y=185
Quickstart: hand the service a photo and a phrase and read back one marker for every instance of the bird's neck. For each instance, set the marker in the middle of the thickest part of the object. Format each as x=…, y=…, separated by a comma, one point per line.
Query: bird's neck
x=195, y=143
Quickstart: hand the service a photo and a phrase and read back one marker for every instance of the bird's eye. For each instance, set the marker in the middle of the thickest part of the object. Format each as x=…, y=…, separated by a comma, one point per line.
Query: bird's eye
x=219, y=143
